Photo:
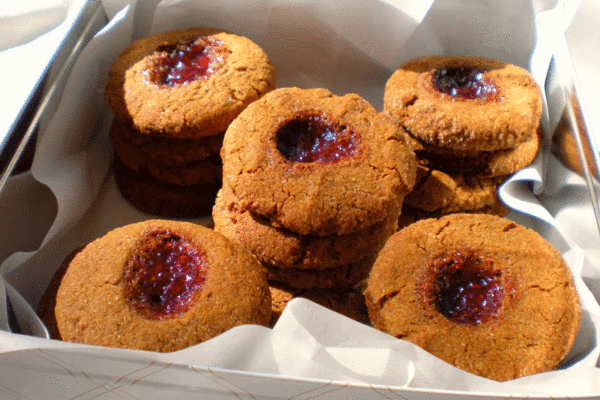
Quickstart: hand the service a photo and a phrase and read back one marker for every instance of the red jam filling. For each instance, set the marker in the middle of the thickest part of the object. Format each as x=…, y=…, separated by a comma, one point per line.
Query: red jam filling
x=464, y=82
x=311, y=138
x=162, y=276
x=184, y=62
x=466, y=288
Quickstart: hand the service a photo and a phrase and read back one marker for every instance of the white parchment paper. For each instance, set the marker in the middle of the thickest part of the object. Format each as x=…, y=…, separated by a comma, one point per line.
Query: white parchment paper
x=345, y=46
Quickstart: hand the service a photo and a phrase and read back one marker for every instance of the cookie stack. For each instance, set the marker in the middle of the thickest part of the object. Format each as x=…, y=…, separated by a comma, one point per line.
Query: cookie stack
x=174, y=95
x=473, y=122
x=313, y=185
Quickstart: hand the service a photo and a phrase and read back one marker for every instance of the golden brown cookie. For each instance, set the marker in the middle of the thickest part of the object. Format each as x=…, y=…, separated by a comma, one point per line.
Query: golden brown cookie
x=339, y=278
x=173, y=95
x=47, y=303
x=208, y=169
x=287, y=249
x=478, y=291
x=159, y=285
x=438, y=192
x=464, y=103
x=138, y=150
x=485, y=164
x=188, y=83
x=410, y=214
x=315, y=163
x=349, y=302
x=155, y=197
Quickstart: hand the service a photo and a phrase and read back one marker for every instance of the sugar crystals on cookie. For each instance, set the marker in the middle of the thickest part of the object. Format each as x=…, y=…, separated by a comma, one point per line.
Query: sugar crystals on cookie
x=174, y=94
x=473, y=121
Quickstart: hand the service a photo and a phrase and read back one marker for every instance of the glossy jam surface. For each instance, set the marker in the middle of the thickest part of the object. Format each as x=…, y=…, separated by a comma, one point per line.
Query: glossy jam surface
x=184, y=62
x=464, y=82
x=162, y=276
x=311, y=138
x=467, y=289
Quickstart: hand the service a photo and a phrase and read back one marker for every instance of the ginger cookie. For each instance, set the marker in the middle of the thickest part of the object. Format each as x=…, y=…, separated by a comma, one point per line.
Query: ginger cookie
x=484, y=164
x=438, y=192
x=315, y=163
x=138, y=150
x=472, y=122
x=564, y=145
x=340, y=277
x=158, y=198
x=287, y=249
x=349, y=302
x=159, y=285
x=174, y=94
x=187, y=83
x=464, y=103
x=478, y=291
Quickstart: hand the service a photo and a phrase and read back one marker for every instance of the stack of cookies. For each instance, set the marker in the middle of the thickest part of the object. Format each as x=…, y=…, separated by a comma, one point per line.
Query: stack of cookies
x=473, y=122
x=313, y=185
x=174, y=95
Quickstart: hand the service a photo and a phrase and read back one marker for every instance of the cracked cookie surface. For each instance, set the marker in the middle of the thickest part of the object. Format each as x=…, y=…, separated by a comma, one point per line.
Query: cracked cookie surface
x=519, y=309
x=349, y=302
x=239, y=73
x=440, y=119
x=287, y=249
x=438, y=192
x=483, y=164
x=327, y=192
x=131, y=288
x=331, y=278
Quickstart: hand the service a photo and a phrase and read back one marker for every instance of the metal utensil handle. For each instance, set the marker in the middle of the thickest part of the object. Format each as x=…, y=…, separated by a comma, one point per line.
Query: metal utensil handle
x=567, y=68
x=55, y=88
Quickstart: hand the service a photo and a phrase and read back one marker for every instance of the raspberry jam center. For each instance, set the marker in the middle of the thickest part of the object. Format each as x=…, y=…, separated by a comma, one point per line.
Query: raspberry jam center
x=464, y=82
x=184, y=62
x=466, y=288
x=163, y=274
x=311, y=138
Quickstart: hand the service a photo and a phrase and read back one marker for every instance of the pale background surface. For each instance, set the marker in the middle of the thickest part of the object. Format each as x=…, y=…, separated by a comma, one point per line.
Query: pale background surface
x=25, y=53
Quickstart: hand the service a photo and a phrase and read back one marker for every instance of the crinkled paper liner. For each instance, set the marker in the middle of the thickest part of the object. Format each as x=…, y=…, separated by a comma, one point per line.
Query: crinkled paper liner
x=345, y=46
